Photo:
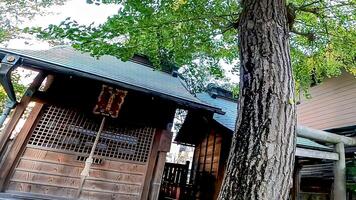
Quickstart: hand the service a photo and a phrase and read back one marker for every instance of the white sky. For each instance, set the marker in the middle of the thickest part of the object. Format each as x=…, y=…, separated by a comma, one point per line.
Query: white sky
x=78, y=10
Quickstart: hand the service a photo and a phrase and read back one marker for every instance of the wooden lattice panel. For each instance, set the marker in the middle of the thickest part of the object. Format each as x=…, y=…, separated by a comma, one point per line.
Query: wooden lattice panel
x=69, y=130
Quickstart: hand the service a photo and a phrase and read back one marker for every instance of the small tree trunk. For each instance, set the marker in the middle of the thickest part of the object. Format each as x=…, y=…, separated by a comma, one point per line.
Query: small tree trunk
x=262, y=154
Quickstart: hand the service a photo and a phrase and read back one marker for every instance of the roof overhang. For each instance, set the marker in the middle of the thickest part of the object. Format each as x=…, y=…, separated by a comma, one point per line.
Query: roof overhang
x=43, y=65
x=196, y=125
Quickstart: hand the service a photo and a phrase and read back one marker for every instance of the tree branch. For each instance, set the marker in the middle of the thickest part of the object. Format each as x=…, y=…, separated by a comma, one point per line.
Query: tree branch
x=309, y=4
x=313, y=10
x=310, y=35
x=340, y=5
x=198, y=18
x=316, y=10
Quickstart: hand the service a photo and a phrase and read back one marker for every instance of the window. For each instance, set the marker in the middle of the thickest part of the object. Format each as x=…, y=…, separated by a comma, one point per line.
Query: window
x=69, y=130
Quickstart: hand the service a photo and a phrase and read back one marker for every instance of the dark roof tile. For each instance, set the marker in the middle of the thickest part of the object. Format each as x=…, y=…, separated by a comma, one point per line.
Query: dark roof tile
x=110, y=68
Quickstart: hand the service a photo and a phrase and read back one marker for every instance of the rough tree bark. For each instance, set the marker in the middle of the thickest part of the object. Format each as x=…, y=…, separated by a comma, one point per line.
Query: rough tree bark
x=262, y=155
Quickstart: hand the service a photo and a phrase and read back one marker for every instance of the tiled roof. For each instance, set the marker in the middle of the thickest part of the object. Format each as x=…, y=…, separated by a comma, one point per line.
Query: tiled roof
x=64, y=59
x=229, y=107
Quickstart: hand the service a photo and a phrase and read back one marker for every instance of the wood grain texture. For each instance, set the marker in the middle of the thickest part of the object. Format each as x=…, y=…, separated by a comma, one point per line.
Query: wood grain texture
x=151, y=164
x=89, y=195
x=20, y=109
x=53, y=156
x=157, y=176
x=332, y=104
x=41, y=170
x=18, y=144
x=45, y=179
x=206, y=163
x=45, y=172
x=41, y=189
x=110, y=187
x=261, y=158
x=50, y=168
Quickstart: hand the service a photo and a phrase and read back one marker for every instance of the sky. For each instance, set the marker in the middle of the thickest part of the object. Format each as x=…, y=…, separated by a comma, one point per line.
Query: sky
x=77, y=10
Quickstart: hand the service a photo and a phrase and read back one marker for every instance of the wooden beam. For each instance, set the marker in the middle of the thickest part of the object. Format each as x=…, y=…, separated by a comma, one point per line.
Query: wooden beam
x=213, y=153
x=308, y=153
x=165, y=144
x=12, y=154
x=324, y=136
x=20, y=109
x=295, y=193
x=157, y=177
x=151, y=164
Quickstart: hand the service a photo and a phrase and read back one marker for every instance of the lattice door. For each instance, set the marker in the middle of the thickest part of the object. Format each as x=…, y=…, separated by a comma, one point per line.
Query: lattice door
x=61, y=141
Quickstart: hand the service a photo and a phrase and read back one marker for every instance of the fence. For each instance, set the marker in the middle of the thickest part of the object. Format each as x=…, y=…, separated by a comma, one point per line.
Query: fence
x=175, y=182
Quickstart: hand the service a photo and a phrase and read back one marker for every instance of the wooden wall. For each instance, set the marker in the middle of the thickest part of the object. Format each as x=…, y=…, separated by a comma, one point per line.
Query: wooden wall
x=45, y=169
x=49, y=167
x=206, y=165
x=54, y=170
x=209, y=153
x=333, y=104
x=58, y=174
x=138, y=108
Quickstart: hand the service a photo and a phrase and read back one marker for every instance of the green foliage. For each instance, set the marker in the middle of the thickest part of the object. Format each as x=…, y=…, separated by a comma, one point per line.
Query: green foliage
x=322, y=40
x=15, y=12
x=235, y=91
x=18, y=87
x=351, y=175
x=204, y=33
x=187, y=33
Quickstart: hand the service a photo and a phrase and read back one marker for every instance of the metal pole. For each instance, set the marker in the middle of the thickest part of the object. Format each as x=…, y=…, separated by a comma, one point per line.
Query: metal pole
x=89, y=160
x=7, y=109
x=340, y=173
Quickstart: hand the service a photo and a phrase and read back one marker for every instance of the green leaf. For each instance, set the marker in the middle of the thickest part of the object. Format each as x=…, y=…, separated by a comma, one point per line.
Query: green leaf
x=204, y=32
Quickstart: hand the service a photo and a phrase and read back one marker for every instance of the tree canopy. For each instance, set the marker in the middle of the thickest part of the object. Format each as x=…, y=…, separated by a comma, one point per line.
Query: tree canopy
x=201, y=34
x=12, y=15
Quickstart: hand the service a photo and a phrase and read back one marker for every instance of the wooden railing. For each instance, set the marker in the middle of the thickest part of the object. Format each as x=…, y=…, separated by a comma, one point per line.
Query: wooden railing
x=175, y=182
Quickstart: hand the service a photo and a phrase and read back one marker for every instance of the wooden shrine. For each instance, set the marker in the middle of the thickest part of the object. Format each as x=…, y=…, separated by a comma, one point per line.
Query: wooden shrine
x=98, y=130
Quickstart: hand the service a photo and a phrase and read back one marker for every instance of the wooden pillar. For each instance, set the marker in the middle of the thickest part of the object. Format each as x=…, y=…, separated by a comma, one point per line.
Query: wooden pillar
x=157, y=176
x=151, y=165
x=9, y=151
x=19, y=110
x=339, y=191
x=15, y=149
x=195, y=164
x=164, y=147
x=296, y=180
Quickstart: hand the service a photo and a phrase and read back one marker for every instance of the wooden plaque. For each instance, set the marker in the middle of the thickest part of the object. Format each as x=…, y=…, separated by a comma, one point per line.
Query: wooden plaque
x=110, y=101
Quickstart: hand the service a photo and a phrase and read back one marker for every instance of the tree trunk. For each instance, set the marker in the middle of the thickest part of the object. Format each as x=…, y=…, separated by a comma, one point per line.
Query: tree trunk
x=262, y=154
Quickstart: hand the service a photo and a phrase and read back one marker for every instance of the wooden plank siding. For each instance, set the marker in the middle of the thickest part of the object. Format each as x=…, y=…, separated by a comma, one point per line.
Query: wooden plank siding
x=58, y=174
x=46, y=159
x=333, y=104
x=16, y=147
x=55, y=173
x=206, y=165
